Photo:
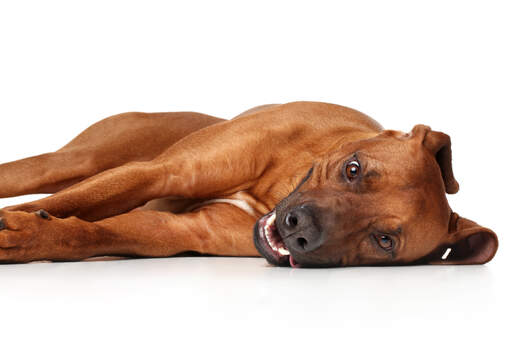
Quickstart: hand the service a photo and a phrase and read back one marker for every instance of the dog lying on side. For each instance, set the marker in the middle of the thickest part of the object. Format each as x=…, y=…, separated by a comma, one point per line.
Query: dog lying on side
x=303, y=184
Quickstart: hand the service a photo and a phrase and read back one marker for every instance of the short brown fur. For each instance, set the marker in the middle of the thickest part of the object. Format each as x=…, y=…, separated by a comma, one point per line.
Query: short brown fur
x=136, y=184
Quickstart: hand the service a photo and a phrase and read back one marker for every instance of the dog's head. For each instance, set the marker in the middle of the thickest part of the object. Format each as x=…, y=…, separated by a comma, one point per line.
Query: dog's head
x=379, y=201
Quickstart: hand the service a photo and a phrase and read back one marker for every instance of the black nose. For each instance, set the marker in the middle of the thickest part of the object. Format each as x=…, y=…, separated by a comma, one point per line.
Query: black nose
x=303, y=233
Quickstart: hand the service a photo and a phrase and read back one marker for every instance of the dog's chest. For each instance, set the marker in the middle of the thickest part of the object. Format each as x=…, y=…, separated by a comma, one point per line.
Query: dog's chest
x=242, y=200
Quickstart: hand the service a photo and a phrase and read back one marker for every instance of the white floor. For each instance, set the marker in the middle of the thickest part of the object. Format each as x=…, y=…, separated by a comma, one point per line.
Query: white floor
x=244, y=298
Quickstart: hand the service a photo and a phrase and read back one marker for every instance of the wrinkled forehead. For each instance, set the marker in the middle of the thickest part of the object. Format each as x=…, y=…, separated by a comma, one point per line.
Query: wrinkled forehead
x=399, y=178
x=414, y=205
x=390, y=159
x=390, y=145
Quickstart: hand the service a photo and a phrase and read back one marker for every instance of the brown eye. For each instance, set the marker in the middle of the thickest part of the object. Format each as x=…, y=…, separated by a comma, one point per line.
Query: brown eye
x=352, y=170
x=385, y=242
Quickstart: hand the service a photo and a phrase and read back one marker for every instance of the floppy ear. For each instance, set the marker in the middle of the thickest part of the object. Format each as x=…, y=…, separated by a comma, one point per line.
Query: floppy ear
x=440, y=146
x=466, y=243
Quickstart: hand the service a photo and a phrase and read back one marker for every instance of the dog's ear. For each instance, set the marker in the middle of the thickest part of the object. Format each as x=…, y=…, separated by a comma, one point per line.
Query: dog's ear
x=465, y=243
x=440, y=146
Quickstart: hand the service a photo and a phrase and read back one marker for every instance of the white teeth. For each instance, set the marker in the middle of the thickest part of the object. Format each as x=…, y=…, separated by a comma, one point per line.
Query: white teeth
x=269, y=237
x=283, y=252
x=272, y=218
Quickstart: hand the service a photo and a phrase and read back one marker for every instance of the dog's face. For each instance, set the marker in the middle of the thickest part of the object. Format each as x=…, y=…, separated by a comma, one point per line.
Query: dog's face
x=379, y=201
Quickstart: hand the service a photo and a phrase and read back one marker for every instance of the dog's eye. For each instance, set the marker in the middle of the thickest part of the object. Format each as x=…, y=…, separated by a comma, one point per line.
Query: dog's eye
x=385, y=242
x=352, y=170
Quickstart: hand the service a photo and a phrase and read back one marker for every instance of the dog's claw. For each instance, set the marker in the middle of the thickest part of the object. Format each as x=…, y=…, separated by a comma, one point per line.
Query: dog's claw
x=2, y=224
x=43, y=214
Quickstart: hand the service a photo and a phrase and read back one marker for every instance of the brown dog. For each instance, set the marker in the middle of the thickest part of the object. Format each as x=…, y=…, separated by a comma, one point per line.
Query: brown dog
x=334, y=189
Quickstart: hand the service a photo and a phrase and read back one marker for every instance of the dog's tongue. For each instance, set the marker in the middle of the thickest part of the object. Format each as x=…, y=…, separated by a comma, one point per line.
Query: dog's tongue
x=293, y=263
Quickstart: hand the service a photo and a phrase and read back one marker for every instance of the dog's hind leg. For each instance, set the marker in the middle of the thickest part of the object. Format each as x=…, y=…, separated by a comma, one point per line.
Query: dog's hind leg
x=107, y=144
x=218, y=229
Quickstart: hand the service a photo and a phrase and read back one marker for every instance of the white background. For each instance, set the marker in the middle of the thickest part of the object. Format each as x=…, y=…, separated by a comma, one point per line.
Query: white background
x=65, y=65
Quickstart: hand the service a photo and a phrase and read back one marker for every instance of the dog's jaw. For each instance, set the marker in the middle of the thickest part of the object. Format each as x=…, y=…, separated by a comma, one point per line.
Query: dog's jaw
x=269, y=242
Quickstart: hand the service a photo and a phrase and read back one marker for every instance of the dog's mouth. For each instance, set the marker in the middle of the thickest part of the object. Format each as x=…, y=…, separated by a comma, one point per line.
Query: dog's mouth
x=270, y=244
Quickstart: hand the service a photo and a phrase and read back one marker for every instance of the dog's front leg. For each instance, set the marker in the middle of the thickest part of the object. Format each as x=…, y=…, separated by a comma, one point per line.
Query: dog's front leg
x=106, y=194
x=216, y=229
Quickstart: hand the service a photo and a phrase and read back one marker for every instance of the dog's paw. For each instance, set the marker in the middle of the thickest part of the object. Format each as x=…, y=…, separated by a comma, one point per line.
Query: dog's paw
x=25, y=237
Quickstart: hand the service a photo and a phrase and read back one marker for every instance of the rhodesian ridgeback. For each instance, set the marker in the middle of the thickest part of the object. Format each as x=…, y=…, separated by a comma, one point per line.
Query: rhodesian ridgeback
x=303, y=184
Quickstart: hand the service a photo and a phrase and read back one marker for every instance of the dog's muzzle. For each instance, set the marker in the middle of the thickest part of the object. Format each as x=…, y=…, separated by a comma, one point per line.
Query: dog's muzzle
x=278, y=238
